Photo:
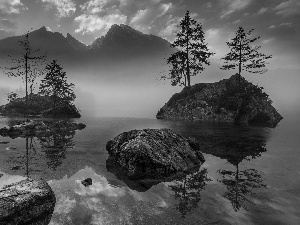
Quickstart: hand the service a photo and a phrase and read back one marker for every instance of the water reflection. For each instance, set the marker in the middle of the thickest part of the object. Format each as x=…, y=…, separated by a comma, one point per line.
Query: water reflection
x=28, y=161
x=235, y=144
x=55, y=147
x=241, y=183
x=188, y=190
x=45, y=147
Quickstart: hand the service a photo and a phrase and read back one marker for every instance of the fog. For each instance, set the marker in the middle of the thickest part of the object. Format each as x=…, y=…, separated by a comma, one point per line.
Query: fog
x=137, y=91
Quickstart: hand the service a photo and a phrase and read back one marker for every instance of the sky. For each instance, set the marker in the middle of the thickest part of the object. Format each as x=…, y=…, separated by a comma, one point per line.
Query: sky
x=275, y=21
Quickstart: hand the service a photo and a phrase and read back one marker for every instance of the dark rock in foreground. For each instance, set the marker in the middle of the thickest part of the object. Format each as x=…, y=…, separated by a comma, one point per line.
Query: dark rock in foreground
x=40, y=128
x=154, y=153
x=223, y=101
x=26, y=202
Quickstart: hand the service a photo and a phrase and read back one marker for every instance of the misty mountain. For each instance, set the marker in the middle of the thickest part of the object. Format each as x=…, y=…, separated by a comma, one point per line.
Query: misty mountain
x=120, y=45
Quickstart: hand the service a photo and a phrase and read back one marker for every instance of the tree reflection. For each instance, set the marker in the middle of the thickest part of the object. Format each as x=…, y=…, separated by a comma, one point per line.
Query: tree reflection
x=50, y=147
x=188, y=190
x=55, y=147
x=29, y=162
x=241, y=184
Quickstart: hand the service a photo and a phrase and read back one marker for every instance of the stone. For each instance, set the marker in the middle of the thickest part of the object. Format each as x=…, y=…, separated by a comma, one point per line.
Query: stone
x=26, y=202
x=154, y=153
x=222, y=102
x=87, y=182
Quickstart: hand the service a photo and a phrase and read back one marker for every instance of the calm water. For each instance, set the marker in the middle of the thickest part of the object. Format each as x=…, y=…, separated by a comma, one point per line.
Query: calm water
x=251, y=175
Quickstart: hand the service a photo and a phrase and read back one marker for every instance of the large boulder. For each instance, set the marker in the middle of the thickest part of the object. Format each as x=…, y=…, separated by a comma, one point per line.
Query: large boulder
x=26, y=202
x=233, y=100
x=154, y=153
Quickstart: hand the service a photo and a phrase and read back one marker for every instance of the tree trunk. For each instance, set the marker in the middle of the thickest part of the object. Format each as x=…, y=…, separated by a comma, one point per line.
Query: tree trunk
x=26, y=78
x=187, y=54
x=240, y=65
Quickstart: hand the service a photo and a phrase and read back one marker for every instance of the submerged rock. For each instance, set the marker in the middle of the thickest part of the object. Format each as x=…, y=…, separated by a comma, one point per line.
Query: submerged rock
x=225, y=101
x=87, y=182
x=26, y=202
x=154, y=153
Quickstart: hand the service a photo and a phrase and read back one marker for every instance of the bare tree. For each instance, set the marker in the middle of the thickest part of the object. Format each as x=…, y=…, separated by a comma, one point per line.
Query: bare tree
x=28, y=66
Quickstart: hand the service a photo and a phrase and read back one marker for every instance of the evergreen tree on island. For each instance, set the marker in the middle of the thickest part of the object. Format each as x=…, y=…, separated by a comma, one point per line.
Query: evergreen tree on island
x=55, y=85
x=28, y=66
x=191, y=54
x=243, y=55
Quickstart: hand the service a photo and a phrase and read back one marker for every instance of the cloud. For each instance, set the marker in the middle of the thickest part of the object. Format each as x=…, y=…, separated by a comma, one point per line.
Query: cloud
x=168, y=32
x=94, y=6
x=8, y=24
x=281, y=25
x=288, y=8
x=286, y=24
x=267, y=41
x=216, y=40
x=100, y=186
x=64, y=205
x=262, y=11
x=232, y=6
x=91, y=23
x=65, y=8
x=145, y=18
x=11, y=6
x=99, y=15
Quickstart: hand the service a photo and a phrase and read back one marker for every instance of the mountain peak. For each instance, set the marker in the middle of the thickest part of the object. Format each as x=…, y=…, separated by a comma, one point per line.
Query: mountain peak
x=75, y=43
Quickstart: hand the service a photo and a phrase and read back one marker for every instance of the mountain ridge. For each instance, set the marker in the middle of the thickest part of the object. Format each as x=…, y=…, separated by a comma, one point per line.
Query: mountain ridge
x=121, y=43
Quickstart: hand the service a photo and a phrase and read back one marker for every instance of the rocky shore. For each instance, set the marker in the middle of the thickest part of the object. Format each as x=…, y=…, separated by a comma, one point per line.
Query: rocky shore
x=39, y=128
x=225, y=101
x=39, y=107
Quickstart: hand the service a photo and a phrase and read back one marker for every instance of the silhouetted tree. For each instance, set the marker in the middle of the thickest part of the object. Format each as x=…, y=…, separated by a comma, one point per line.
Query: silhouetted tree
x=12, y=96
x=55, y=85
x=243, y=55
x=191, y=52
x=28, y=66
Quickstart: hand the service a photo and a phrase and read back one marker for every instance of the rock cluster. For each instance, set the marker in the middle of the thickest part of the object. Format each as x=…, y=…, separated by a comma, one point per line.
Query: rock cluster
x=26, y=202
x=225, y=101
x=154, y=153
x=39, y=107
x=39, y=127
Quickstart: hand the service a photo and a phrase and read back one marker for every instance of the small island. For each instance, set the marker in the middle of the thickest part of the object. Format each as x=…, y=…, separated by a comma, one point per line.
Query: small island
x=221, y=102
x=54, y=99
x=39, y=107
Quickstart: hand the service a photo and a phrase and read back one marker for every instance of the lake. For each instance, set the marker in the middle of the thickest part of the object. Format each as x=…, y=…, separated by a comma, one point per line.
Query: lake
x=251, y=175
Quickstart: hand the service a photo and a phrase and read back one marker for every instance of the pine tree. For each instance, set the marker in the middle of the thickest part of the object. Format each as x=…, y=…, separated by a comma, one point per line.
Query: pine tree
x=55, y=85
x=28, y=66
x=243, y=55
x=191, y=52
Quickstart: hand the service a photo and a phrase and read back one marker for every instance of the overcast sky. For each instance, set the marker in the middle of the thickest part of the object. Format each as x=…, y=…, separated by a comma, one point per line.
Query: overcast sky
x=275, y=21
